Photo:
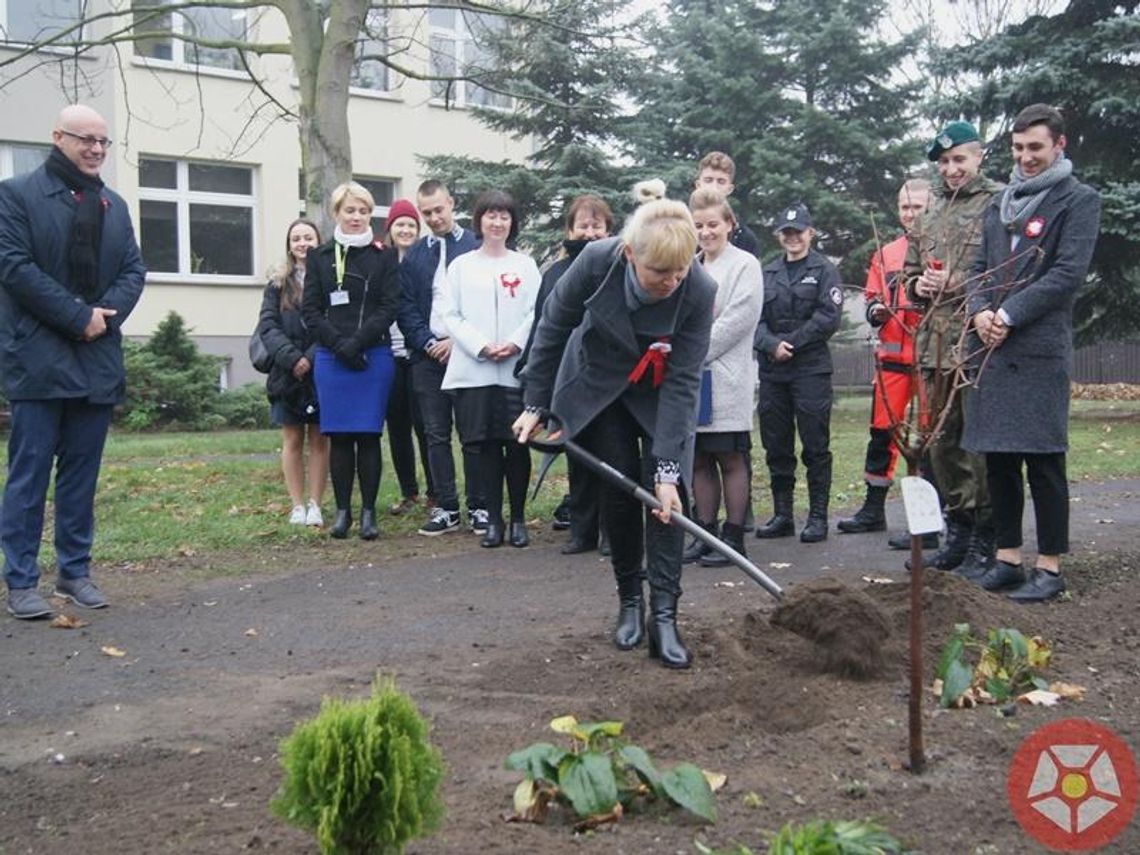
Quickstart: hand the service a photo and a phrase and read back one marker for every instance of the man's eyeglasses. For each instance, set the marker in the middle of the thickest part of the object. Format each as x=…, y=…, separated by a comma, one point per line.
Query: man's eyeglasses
x=86, y=140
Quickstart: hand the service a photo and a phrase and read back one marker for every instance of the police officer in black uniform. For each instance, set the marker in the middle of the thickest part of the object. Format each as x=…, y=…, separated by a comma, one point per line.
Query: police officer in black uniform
x=802, y=307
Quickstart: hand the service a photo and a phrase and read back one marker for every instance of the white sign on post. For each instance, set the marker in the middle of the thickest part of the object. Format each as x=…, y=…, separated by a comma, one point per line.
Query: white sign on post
x=923, y=511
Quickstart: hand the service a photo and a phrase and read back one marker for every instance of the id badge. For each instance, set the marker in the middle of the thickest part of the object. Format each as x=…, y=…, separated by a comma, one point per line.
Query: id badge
x=338, y=298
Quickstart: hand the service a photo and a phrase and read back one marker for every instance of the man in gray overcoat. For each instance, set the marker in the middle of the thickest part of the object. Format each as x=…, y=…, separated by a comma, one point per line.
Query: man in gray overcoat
x=1037, y=243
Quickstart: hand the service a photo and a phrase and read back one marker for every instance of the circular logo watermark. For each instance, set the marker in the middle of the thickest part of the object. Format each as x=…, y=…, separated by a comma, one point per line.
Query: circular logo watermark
x=1072, y=785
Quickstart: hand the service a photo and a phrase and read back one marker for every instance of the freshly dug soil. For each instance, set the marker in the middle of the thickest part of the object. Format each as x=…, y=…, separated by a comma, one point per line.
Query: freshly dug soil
x=173, y=747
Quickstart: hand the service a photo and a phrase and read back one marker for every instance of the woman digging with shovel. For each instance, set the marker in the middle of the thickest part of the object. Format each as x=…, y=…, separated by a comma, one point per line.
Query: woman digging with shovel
x=616, y=360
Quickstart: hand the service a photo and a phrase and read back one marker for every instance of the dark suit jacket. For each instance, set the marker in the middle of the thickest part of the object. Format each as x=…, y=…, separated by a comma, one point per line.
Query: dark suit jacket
x=1022, y=397
x=42, y=351
x=588, y=342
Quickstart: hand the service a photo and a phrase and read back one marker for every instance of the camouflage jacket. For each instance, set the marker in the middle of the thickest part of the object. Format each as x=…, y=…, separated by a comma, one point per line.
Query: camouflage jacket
x=951, y=232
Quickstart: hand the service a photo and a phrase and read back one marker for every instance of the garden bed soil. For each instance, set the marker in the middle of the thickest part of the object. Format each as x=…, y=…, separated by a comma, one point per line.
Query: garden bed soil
x=172, y=747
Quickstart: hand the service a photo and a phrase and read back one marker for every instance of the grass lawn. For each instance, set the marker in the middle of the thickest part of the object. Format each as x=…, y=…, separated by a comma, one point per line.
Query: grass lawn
x=219, y=496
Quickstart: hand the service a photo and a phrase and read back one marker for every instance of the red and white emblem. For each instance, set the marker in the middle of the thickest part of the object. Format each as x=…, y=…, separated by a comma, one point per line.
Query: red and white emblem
x=1034, y=227
x=510, y=281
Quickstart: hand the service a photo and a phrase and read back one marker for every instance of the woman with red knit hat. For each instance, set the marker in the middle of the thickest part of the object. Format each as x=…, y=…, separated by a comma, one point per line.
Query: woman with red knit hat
x=401, y=230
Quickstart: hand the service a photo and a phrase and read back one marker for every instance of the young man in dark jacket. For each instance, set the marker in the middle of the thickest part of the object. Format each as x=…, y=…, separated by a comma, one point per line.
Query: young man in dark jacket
x=71, y=274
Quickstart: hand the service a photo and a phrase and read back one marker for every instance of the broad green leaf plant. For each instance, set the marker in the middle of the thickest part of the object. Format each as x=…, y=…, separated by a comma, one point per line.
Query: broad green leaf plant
x=1007, y=663
x=600, y=776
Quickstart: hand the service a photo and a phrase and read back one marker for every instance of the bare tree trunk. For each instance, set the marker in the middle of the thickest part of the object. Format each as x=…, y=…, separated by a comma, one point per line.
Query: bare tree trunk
x=323, y=57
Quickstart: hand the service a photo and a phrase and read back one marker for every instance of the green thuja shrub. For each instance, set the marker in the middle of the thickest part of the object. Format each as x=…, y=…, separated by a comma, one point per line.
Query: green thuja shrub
x=362, y=775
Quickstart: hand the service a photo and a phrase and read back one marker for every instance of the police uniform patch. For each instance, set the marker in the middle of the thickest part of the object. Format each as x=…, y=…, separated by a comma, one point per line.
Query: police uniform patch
x=836, y=296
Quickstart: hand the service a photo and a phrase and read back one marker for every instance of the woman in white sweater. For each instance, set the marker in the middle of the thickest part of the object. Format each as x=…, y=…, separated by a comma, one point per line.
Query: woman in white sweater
x=724, y=428
x=488, y=311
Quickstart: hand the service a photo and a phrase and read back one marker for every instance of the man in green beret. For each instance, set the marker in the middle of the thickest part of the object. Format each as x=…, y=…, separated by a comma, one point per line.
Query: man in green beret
x=940, y=252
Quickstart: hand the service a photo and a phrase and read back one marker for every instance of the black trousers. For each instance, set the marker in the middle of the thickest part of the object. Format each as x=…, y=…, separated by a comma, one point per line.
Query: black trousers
x=616, y=437
x=403, y=420
x=437, y=409
x=1050, y=490
x=802, y=403
x=584, y=490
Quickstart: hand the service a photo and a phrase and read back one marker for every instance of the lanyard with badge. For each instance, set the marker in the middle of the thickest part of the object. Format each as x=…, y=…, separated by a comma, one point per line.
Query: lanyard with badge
x=339, y=297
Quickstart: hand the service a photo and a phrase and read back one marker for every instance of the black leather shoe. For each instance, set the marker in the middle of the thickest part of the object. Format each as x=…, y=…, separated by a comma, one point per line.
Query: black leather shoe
x=368, y=528
x=341, y=524
x=815, y=529
x=493, y=536
x=629, y=629
x=698, y=549
x=576, y=547
x=1003, y=575
x=519, y=537
x=902, y=541
x=661, y=630
x=778, y=526
x=1039, y=587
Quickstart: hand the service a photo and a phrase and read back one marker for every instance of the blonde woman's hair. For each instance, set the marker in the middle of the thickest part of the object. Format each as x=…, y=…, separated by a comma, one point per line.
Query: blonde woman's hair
x=648, y=190
x=347, y=189
x=706, y=198
x=661, y=234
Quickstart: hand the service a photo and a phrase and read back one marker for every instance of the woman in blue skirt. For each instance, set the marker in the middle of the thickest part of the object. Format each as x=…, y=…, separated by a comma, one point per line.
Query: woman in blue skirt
x=350, y=299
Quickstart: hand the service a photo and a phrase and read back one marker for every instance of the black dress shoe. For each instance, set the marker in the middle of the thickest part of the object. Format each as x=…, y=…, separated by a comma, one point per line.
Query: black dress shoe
x=493, y=536
x=519, y=537
x=1039, y=587
x=1003, y=575
x=576, y=547
x=902, y=541
x=341, y=524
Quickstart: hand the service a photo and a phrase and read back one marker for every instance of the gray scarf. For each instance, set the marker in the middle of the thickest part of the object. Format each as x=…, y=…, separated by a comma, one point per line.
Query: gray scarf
x=635, y=295
x=1022, y=196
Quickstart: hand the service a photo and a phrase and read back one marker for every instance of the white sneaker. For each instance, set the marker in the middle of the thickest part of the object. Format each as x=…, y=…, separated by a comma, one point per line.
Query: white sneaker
x=297, y=517
x=313, y=514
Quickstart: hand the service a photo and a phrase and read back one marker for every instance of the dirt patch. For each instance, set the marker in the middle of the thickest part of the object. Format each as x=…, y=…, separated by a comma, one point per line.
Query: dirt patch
x=173, y=747
x=848, y=626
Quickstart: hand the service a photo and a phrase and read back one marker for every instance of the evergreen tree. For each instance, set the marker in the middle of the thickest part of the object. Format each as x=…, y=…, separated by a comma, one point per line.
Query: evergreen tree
x=800, y=94
x=568, y=79
x=1083, y=61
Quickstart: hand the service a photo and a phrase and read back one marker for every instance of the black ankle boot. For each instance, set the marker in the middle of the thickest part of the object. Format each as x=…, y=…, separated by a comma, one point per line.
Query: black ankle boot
x=368, y=527
x=493, y=536
x=342, y=522
x=697, y=548
x=781, y=524
x=518, y=537
x=733, y=535
x=981, y=553
x=959, y=528
x=815, y=529
x=870, y=517
x=661, y=627
x=631, y=612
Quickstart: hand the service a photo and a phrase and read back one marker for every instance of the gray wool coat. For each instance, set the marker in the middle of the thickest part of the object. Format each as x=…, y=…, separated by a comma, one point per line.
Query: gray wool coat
x=588, y=341
x=1022, y=395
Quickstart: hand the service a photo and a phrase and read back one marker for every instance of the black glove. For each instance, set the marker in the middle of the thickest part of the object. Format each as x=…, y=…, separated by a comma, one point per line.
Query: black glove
x=348, y=352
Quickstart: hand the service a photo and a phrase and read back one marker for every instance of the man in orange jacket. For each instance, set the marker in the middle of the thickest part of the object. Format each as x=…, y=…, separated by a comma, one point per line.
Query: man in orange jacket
x=889, y=310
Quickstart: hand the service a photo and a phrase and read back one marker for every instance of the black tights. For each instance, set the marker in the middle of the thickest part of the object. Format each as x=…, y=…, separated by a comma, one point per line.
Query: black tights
x=710, y=470
x=496, y=460
x=354, y=454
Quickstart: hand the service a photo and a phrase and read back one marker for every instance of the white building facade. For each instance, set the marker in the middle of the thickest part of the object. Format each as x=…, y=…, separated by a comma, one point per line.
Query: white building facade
x=210, y=170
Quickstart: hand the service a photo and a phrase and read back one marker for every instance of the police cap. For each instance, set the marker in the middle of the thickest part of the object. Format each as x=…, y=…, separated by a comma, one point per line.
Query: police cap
x=795, y=217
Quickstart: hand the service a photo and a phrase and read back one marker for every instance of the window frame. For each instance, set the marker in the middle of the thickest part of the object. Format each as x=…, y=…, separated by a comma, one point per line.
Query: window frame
x=362, y=46
x=7, y=161
x=465, y=51
x=183, y=197
x=9, y=41
x=180, y=50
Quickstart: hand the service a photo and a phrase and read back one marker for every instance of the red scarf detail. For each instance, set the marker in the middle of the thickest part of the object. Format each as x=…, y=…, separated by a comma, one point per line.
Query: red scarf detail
x=656, y=355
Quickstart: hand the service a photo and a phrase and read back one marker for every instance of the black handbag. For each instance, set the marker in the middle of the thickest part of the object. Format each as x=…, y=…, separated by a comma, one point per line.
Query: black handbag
x=259, y=354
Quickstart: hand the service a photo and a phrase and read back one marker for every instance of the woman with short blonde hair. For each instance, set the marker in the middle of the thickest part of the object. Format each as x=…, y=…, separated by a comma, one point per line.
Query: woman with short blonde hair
x=616, y=359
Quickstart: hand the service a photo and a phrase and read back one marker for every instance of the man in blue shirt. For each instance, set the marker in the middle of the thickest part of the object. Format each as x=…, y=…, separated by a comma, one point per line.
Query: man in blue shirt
x=422, y=276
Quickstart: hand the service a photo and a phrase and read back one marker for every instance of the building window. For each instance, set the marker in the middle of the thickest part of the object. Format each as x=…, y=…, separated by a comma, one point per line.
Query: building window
x=170, y=36
x=32, y=21
x=383, y=192
x=18, y=158
x=196, y=218
x=457, y=47
x=368, y=73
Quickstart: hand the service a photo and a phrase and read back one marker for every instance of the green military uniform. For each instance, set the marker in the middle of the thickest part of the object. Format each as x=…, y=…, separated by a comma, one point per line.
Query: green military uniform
x=950, y=231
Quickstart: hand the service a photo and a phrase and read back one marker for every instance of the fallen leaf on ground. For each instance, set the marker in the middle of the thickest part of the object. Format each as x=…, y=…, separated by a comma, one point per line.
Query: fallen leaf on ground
x=251, y=632
x=1068, y=691
x=878, y=580
x=779, y=565
x=716, y=780
x=108, y=650
x=66, y=621
x=1039, y=698
x=186, y=551
x=726, y=584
